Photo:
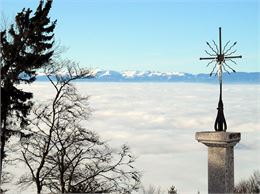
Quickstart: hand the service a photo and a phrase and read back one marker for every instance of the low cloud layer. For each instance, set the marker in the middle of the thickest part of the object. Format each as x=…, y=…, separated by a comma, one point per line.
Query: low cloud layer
x=159, y=121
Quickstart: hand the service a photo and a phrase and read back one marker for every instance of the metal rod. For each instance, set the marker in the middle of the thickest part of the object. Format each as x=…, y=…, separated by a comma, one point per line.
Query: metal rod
x=207, y=58
x=231, y=57
x=220, y=42
x=220, y=89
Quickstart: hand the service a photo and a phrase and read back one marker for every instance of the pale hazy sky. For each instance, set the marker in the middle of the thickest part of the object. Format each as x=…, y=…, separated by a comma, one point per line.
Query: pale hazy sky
x=164, y=35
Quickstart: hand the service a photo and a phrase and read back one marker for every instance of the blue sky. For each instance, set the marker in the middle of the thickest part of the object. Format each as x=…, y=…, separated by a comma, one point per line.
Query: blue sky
x=163, y=35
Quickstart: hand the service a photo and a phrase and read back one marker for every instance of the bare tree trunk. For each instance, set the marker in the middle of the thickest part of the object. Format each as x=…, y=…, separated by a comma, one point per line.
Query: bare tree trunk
x=1, y=162
x=2, y=149
x=39, y=187
x=5, y=102
x=1, y=159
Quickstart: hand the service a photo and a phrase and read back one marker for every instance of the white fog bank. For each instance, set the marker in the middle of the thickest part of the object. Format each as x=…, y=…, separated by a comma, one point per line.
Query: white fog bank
x=159, y=120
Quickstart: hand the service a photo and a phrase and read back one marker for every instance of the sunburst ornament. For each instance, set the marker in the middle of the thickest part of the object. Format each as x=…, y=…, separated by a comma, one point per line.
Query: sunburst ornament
x=219, y=57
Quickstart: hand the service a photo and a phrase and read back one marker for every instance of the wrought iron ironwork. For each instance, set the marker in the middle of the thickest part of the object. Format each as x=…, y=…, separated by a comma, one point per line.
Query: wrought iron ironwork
x=219, y=57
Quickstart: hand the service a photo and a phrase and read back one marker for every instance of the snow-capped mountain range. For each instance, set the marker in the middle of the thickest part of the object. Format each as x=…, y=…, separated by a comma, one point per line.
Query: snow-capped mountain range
x=155, y=76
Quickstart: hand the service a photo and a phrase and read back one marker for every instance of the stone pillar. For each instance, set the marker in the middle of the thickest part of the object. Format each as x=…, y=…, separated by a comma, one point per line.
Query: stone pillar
x=220, y=159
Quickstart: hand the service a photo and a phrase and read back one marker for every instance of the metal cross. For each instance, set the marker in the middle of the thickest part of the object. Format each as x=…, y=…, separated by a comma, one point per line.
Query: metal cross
x=220, y=57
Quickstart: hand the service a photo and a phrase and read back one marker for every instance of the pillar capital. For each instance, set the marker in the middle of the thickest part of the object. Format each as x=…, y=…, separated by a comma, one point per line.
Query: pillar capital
x=218, y=138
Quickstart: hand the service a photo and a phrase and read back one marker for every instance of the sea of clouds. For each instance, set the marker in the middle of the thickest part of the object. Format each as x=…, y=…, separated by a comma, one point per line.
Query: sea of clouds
x=159, y=120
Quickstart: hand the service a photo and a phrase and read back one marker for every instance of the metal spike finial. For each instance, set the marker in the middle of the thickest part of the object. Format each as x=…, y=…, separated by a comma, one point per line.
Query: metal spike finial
x=220, y=57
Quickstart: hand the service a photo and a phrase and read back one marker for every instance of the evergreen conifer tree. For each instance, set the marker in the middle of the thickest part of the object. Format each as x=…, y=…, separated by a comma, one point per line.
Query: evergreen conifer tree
x=25, y=47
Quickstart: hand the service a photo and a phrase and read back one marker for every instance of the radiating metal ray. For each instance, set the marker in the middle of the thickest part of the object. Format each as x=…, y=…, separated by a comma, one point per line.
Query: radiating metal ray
x=216, y=46
x=229, y=67
x=230, y=47
x=228, y=54
x=210, y=62
x=226, y=46
x=232, y=61
x=225, y=69
x=213, y=70
x=211, y=48
x=210, y=54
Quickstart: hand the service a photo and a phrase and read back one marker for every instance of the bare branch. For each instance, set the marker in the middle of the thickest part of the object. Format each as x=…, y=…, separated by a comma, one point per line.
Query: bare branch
x=69, y=157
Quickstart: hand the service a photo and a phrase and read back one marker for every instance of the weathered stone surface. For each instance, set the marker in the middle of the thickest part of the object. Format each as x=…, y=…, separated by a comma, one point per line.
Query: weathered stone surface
x=218, y=139
x=220, y=159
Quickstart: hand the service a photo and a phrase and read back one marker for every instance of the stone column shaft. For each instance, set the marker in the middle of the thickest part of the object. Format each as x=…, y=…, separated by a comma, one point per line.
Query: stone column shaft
x=220, y=159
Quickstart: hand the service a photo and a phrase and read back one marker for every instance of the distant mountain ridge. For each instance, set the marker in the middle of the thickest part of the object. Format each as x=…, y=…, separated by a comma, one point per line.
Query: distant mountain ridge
x=156, y=76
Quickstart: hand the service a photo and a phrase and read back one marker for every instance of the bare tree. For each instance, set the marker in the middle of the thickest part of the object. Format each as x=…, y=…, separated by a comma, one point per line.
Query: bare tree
x=151, y=190
x=172, y=190
x=47, y=118
x=93, y=168
x=157, y=190
x=252, y=185
x=63, y=156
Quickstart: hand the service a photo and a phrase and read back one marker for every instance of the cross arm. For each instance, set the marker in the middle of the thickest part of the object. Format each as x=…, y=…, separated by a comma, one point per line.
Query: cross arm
x=232, y=57
x=208, y=58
